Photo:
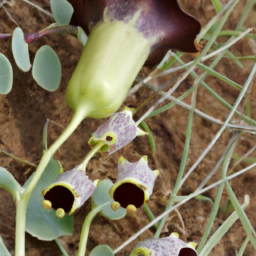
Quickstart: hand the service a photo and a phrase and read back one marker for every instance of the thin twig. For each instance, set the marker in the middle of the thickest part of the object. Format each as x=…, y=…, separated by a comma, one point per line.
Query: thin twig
x=16, y=158
x=38, y=7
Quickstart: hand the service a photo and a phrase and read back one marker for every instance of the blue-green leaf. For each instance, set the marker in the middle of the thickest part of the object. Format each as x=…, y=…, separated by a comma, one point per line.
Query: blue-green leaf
x=8, y=182
x=62, y=11
x=47, y=69
x=20, y=50
x=6, y=75
x=101, y=196
x=102, y=250
x=82, y=37
x=3, y=250
x=42, y=223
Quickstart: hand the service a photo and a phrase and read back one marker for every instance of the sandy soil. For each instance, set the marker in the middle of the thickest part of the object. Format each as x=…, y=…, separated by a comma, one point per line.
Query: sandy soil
x=23, y=113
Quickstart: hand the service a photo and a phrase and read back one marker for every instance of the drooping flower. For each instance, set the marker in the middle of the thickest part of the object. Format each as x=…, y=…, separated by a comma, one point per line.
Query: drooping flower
x=119, y=130
x=123, y=36
x=162, y=22
x=171, y=246
x=69, y=192
x=134, y=184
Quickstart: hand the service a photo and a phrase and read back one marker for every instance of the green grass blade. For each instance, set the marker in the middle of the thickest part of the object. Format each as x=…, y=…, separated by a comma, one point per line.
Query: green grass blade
x=150, y=215
x=242, y=249
x=216, y=95
x=222, y=230
x=248, y=6
x=144, y=126
x=239, y=210
x=211, y=218
x=183, y=162
x=220, y=76
x=233, y=57
x=217, y=5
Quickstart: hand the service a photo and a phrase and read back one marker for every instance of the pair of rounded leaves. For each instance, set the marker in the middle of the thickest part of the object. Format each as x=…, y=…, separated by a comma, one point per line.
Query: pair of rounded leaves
x=118, y=131
x=134, y=184
x=171, y=246
x=46, y=67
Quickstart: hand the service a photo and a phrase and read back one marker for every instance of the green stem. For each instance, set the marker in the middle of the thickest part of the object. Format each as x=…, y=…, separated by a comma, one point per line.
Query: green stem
x=215, y=207
x=86, y=227
x=89, y=156
x=16, y=158
x=150, y=215
x=211, y=219
x=239, y=210
x=23, y=202
x=183, y=161
x=62, y=249
x=241, y=251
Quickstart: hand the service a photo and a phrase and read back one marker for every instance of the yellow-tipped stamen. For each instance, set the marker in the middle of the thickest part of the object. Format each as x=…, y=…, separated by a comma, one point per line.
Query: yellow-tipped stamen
x=115, y=205
x=60, y=213
x=175, y=234
x=156, y=172
x=131, y=208
x=145, y=158
x=192, y=244
x=122, y=160
x=47, y=204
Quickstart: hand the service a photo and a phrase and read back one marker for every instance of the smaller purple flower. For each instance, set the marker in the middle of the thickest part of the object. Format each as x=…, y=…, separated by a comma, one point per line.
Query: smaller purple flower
x=119, y=130
x=69, y=192
x=134, y=184
x=171, y=246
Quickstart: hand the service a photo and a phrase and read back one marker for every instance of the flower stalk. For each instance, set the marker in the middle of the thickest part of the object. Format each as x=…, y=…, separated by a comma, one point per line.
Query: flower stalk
x=25, y=196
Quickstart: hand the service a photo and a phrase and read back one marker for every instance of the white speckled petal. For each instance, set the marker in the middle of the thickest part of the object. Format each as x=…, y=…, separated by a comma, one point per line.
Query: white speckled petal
x=168, y=246
x=139, y=171
x=121, y=126
x=78, y=183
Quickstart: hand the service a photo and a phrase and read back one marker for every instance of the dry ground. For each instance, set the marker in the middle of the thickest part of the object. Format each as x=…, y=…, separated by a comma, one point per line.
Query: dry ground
x=23, y=113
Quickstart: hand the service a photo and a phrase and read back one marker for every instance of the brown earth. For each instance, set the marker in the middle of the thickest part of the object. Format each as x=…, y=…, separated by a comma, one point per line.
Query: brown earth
x=24, y=110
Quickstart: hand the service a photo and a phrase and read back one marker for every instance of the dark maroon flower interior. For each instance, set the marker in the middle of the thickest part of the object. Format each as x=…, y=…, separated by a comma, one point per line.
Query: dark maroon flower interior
x=163, y=20
x=128, y=193
x=109, y=138
x=60, y=197
x=187, y=252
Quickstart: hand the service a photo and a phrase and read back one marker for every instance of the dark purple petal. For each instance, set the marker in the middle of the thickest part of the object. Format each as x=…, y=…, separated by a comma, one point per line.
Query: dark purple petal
x=162, y=22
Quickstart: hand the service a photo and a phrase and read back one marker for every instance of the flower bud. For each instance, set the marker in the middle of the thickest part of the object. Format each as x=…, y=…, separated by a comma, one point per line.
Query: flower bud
x=171, y=246
x=111, y=59
x=69, y=192
x=116, y=132
x=134, y=184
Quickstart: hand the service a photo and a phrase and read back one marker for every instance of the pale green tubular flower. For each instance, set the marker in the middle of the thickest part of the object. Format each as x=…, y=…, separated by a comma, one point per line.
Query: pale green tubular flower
x=111, y=59
x=123, y=36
